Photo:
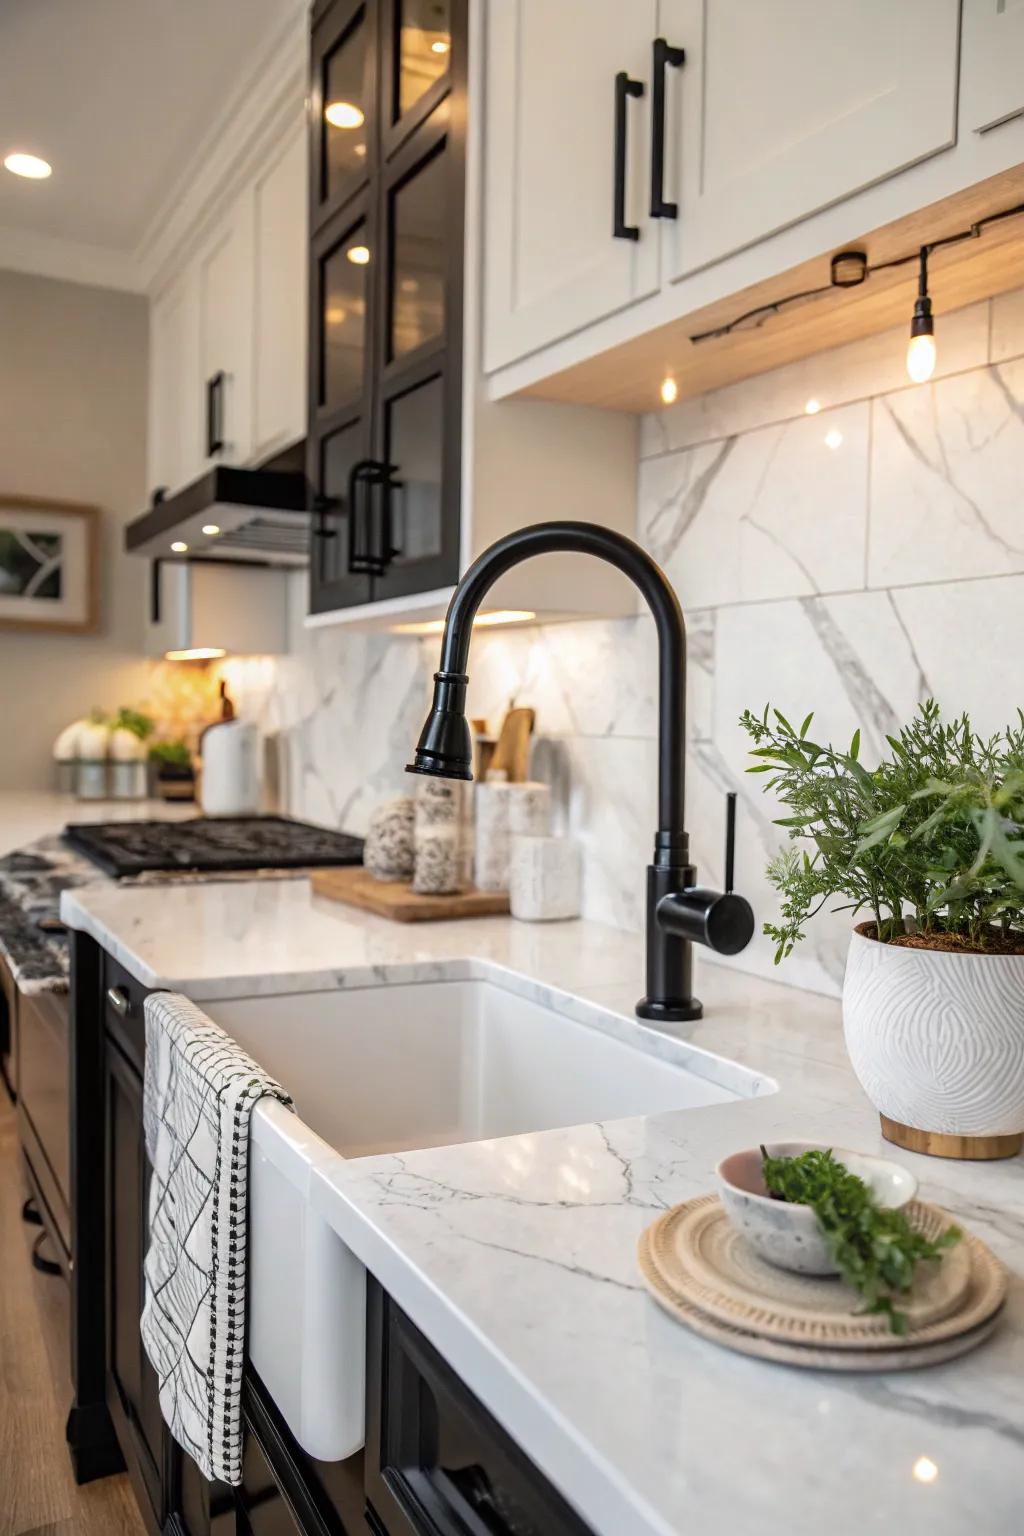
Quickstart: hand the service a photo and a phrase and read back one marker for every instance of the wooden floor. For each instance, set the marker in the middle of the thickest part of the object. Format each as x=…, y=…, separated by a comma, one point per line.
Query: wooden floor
x=38, y=1496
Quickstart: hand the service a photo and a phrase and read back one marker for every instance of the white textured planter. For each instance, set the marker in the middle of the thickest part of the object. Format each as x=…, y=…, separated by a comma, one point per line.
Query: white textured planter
x=937, y=1042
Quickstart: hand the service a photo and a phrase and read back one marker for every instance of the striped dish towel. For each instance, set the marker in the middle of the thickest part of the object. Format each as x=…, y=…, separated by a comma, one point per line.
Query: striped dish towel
x=200, y=1088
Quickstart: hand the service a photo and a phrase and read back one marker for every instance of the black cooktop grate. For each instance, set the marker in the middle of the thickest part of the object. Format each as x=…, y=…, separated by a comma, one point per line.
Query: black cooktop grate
x=211, y=844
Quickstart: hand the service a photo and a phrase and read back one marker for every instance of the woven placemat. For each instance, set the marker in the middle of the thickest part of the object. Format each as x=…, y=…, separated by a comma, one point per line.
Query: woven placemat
x=694, y=1262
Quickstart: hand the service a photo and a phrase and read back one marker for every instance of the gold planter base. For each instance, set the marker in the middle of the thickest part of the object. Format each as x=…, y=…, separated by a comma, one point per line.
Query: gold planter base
x=938, y=1144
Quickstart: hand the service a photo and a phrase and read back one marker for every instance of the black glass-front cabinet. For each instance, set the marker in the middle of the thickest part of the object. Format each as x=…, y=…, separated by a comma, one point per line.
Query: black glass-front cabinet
x=387, y=125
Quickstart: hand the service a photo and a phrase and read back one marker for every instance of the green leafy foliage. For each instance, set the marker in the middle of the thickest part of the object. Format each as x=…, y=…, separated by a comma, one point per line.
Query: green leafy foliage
x=133, y=720
x=931, y=840
x=174, y=753
x=875, y=1248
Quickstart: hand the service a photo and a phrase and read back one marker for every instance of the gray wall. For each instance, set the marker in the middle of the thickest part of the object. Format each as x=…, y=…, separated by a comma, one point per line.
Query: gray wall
x=72, y=427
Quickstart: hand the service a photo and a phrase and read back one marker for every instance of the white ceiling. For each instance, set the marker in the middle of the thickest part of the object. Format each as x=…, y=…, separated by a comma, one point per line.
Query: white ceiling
x=118, y=95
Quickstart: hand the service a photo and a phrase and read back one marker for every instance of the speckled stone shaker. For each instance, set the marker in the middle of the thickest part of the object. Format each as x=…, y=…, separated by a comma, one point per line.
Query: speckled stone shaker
x=440, y=834
x=388, y=851
x=544, y=879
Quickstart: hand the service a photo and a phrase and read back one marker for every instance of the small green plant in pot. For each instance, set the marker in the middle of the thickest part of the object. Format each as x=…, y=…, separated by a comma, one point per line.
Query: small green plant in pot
x=928, y=846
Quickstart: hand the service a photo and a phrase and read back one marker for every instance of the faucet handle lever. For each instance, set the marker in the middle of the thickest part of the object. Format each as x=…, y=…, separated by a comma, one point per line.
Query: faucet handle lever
x=730, y=839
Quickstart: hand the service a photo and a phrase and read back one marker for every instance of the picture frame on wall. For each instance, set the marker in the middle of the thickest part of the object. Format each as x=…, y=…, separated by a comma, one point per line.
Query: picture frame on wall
x=49, y=566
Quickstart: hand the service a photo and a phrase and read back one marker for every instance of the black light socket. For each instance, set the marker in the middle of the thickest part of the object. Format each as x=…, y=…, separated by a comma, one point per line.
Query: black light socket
x=922, y=323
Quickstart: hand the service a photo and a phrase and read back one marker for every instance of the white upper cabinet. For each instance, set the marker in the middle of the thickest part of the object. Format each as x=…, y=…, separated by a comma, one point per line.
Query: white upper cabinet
x=782, y=109
x=280, y=224
x=174, y=395
x=992, y=81
x=224, y=276
x=553, y=261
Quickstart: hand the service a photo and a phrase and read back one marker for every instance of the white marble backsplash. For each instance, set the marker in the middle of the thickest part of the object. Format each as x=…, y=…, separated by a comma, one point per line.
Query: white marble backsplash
x=853, y=562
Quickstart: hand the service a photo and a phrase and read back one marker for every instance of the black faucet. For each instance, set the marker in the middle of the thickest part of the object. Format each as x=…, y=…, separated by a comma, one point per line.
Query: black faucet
x=680, y=913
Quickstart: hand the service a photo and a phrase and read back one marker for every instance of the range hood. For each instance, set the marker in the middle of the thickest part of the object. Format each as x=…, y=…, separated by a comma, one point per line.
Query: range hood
x=259, y=516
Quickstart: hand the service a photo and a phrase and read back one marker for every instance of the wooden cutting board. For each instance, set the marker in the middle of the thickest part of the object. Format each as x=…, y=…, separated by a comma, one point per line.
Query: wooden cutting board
x=397, y=899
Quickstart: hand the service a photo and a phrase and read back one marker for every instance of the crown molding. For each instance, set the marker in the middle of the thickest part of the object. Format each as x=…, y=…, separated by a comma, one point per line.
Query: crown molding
x=267, y=101
x=72, y=261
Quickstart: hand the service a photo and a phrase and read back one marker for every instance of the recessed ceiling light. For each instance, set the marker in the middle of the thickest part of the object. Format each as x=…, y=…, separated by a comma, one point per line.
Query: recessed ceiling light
x=812, y=407
x=344, y=114
x=440, y=45
x=179, y=547
x=358, y=254
x=211, y=529
x=669, y=390
x=833, y=438
x=925, y=1470
x=30, y=166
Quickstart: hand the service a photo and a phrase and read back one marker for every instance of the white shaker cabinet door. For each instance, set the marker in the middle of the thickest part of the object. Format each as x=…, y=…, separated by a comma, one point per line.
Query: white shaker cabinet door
x=279, y=307
x=786, y=106
x=552, y=262
x=992, y=67
x=224, y=276
x=175, y=446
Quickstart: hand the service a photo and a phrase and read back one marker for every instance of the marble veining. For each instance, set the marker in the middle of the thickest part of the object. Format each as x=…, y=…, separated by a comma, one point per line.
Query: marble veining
x=516, y=1255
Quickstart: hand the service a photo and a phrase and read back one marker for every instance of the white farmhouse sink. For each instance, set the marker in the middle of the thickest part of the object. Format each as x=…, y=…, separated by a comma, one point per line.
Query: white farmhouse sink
x=393, y=1067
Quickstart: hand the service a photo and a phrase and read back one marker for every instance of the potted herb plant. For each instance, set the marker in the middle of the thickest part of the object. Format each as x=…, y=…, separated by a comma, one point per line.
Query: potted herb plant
x=175, y=774
x=929, y=846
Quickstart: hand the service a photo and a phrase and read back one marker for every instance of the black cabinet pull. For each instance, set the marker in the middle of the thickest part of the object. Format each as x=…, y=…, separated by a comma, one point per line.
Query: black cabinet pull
x=664, y=56
x=215, y=413
x=624, y=88
x=358, y=553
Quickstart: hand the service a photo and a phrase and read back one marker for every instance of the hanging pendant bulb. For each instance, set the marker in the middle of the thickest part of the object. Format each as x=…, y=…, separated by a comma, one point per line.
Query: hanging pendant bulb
x=921, y=351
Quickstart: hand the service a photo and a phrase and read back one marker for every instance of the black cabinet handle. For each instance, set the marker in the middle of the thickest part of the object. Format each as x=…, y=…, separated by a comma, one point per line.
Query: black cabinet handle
x=624, y=88
x=664, y=56
x=215, y=413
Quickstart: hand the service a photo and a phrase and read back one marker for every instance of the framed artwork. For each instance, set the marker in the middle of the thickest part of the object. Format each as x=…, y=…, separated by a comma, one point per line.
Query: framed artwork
x=49, y=565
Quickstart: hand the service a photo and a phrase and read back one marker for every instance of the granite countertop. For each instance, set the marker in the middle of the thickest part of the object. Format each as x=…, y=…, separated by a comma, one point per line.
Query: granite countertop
x=516, y=1256
x=36, y=866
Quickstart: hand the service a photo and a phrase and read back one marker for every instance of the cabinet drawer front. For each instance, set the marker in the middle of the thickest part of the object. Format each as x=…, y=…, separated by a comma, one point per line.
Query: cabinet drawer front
x=123, y=999
x=436, y=1460
x=784, y=109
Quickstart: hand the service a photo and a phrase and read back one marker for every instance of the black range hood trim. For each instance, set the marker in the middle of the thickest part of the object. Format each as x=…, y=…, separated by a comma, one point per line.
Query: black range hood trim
x=273, y=490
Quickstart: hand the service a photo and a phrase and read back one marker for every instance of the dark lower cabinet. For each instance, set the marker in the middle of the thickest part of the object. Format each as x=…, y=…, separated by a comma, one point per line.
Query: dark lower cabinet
x=436, y=1463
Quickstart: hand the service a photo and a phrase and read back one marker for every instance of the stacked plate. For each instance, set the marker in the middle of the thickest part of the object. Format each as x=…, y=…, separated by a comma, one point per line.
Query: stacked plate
x=701, y=1270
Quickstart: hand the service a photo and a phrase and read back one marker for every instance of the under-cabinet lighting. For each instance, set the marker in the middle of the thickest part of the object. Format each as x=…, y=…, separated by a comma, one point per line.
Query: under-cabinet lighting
x=179, y=547
x=489, y=620
x=344, y=114
x=32, y=167
x=921, y=351
x=833, y=439
x=669, y=391
x=211, y=530
x=812, y=407
x=359, y=255
x=925, y=1470
x=197, y=653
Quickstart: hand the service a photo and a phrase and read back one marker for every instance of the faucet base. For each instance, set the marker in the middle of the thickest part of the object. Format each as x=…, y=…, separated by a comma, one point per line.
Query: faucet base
x=669, y=1013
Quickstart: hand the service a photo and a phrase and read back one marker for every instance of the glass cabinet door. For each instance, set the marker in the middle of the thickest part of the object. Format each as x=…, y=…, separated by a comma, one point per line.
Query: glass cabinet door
x=419, y=38
x=343, y=103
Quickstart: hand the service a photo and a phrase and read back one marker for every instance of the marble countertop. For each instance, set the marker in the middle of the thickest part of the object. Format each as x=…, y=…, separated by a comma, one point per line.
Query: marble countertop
x=516, y=1256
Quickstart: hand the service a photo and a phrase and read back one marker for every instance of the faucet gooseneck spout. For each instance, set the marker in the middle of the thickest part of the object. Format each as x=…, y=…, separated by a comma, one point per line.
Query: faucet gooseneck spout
x=679, y=913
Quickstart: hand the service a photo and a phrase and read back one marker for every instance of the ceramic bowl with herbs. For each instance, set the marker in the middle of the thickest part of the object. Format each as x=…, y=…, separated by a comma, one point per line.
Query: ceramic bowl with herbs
x=786, y=1232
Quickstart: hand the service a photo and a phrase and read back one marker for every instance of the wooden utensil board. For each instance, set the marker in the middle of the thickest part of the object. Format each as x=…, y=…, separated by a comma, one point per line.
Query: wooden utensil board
x=397, y=900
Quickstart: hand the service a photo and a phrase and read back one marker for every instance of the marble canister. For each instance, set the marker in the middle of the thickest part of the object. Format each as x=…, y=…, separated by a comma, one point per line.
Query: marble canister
x=529, y=810
x=490, y=863
x=388, y=853
x=544, y=878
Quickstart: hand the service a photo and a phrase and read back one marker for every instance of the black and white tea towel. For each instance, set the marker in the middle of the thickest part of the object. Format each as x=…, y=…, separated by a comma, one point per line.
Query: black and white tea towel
x=200, y=1090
